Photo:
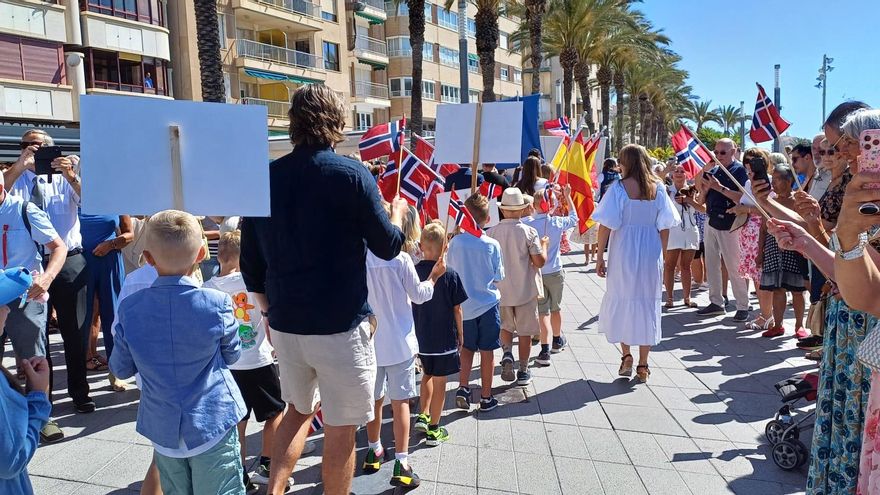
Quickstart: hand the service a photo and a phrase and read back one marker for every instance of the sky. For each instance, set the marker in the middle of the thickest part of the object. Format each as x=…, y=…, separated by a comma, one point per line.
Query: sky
x=727, y=46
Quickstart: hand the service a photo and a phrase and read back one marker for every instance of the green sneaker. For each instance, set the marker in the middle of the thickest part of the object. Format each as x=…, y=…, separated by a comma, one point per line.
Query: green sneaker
x=406, y=478
x=372, y=462
x=436, y=437
x=422, y=422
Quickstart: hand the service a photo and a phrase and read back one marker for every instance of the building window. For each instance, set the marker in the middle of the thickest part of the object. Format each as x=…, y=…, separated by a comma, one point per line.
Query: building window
x=473, y=63
x=331, y=56
x=449, y=94
x=503, y=40
x=471, y=28
x=28, y=59
x=328, y=10
x=517, y=75
x=447, y=18
x=398, y=46
x=449, y=57
x=473, y=95
x=110, y=70
x=505, y=73
x=221, y=26
x=364, y=121
x=401, y=86
x=147, y=11
x=428, y=52
x=429, y=90
x=328, y=16
x=428, y=16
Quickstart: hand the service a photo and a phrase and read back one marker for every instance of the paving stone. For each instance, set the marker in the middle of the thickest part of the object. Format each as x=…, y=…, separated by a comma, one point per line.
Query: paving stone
x=458, y=465
x=566, y=441
x=662, y=481
x=538, y=475
x=645, y=419
x=494, y=434
x=643, y=450
x=132, y=464
x=704, y=484
x=577, y=477
x=529, y=437
x=80, y=461
x=604, y=445
x=619, y=479
x=496, y=470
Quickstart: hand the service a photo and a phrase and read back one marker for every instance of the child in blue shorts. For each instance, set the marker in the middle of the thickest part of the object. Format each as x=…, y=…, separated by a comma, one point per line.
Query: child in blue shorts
x=477, y=260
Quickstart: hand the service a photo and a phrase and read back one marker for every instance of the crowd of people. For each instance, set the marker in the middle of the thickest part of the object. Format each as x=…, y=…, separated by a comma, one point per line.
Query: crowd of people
x=221, y=317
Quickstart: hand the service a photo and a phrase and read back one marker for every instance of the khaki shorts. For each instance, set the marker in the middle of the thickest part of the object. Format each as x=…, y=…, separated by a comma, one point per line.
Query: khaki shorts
x=553, y=283
x=522, y=320
x=341, y=365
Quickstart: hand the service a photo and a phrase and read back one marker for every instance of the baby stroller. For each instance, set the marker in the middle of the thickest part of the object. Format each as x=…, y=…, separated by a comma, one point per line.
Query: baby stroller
x=783, y=431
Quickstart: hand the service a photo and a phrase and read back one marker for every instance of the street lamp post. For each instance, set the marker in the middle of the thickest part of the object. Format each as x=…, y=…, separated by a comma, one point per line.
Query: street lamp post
x=558, y=99
x=776, y=97
x=823, y=80
x=463, y=51
x=742, y=125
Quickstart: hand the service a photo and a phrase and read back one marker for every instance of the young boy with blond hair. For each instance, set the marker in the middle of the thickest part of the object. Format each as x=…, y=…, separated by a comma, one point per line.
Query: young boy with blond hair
x=181, y=339
x=478, y=262
x=439, y=331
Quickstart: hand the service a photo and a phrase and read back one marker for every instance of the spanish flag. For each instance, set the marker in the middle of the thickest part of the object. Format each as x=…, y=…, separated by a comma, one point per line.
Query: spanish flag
x=575, y=171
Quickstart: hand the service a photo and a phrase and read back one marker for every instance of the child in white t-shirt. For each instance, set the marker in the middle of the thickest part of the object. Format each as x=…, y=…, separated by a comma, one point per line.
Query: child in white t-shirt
x=255, y=371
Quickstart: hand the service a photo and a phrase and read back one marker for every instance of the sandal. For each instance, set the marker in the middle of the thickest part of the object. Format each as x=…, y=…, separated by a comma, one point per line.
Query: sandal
x=689, y=304
x=758, y=324
x=95, y=365
x=626, y=370
x=669, y=303
x=814, y=355
x=642, y=372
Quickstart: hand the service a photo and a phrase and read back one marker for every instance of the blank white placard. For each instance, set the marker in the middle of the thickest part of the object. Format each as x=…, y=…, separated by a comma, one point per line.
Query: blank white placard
x=126, y=156
x=454, y=135
x=500, y=132
x=550, y=145
x=463, y=194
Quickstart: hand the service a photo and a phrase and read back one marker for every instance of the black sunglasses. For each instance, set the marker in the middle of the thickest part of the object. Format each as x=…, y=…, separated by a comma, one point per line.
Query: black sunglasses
x=27, y=144
x=826, y=152
x=722, y=152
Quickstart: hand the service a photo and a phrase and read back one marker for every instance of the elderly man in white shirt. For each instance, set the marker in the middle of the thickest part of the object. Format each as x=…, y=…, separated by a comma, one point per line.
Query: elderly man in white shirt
x=59, y=197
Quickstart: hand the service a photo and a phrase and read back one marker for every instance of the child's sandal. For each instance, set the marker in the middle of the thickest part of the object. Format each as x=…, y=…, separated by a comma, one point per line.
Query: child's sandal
x=642, y=372
x=626, y=368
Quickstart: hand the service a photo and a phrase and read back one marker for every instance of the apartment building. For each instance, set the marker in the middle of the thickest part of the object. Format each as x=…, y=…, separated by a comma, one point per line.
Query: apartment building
x=551, y=103
x=52, y=51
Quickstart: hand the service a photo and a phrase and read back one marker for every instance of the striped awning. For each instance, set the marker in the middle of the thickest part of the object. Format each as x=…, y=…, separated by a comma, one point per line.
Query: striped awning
x=274, y=76
x=374, y=19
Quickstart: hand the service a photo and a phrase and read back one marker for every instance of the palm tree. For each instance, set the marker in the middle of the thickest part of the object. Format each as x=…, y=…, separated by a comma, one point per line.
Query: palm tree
x=486, y=21
x=417, y=42
x=728, y=117
x=208, y=42
x=534, y=20
x=699, y=114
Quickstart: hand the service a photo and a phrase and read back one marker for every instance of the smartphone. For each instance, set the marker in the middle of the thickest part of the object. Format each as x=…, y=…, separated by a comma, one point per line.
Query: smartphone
x=869, y=161
x=43, y=157
x=759, y=168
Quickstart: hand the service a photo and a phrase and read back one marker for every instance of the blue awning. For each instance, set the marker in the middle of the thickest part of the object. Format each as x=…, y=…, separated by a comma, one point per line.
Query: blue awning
x=262, y=74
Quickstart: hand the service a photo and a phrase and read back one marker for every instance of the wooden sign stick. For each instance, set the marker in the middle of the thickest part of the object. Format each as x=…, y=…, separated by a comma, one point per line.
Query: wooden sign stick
x=400, y=158
x=176, y=170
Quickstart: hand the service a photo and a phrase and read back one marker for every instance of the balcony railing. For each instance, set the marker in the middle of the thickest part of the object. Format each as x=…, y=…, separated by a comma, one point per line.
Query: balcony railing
x=366, y=89
x=130, y=88
x=372, y=45
x=275, y=108
x=295, y=6
x=272, y=53
x=376, y=4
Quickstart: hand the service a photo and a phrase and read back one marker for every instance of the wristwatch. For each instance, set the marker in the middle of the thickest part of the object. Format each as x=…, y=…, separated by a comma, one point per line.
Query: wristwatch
x=852, y=254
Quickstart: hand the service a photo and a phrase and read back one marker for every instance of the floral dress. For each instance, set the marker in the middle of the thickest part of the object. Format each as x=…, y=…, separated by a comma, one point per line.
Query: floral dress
x=748, y=249
x=869, y=466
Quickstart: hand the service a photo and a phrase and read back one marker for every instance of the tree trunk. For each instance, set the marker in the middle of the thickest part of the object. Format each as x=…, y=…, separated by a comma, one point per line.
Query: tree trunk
x=582, y=74
x=619, y=82
x=604, y=77
x=644, y=118
x=534, y=19
x=567, y=59
x=633, y=116
x=487, y=41
x=208, y=42
x=417, y=41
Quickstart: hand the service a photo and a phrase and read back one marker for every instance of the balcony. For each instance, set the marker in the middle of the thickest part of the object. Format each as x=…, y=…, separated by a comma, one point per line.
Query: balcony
x=371, y=10
x=276, y=110
x=369, y=95
x=36, y=101
x=288, y=15
x=371, y=51
x=301, y=67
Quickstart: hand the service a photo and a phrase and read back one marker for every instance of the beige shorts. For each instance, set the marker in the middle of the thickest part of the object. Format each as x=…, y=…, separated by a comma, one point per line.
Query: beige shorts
x=553, y=284
x=342, y=366
x=522, y=320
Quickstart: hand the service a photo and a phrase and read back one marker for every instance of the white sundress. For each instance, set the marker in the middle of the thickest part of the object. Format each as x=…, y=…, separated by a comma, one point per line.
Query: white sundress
x=630, y=310
x=686, y=235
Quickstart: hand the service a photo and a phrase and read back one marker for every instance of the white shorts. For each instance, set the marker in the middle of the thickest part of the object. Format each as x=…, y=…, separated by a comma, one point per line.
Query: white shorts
x=398, y=381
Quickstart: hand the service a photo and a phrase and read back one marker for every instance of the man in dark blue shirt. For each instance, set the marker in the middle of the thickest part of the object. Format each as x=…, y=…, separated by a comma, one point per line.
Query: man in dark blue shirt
x=461, y=179
x=721, y=194
x=307, y=266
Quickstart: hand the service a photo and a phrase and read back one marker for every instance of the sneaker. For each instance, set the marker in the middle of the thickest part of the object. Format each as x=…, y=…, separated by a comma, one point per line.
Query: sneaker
x=372, y=462
x=810, y=343
x=543, y=358
x=422, y=422
x=85, y=407
x=249, y=486
x=487, y=405
x=260, y=476
x=741, y=315
x=436, y=437
x=559, y=344
x=801, y=333
x=536, y=340
x=51, y=433
x=726, y=301
x=523, y=378
x=711, y=309
x=463, y=398
x=507, y=367
x=404, y=477
x=773, y=332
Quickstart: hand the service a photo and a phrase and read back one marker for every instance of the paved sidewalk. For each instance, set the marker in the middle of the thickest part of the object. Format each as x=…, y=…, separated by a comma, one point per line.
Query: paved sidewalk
x=696, y=427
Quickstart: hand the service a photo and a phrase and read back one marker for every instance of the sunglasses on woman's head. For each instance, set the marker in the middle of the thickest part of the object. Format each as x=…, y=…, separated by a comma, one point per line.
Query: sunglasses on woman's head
x=27, y=144
x=834, y=146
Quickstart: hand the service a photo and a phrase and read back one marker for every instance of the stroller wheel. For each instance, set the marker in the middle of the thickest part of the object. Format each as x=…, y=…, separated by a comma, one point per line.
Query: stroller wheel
x=803, y=453
x=775, y=431
x=786, y=455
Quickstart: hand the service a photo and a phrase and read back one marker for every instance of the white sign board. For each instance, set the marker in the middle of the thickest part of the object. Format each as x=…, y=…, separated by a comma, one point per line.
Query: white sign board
x=550, y=145
x=127, y=161
x=500, y=132
x=463, y=194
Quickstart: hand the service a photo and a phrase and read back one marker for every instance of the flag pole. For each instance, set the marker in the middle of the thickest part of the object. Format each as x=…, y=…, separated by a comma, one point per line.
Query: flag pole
x=400, y=157
x=732, y=178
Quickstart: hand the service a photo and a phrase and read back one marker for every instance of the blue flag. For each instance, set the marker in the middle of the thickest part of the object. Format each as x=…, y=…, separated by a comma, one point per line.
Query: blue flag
x=530, y=135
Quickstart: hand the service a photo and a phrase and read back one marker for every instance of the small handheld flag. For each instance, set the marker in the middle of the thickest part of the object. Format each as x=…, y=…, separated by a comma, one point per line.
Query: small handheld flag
x=767, y=124
x=462, y=217
x=381, y=140
x=689, y=152
x=558, y=126
x=490, y=190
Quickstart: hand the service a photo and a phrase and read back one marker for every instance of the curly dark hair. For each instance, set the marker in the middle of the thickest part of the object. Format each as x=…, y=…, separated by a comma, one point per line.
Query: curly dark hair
x=317, y=116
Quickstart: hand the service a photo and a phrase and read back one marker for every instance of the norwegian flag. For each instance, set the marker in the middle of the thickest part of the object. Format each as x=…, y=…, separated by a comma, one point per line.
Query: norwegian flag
x=689, y=153
x=490, y=190
x=416, y=184
x=548, y=198
x=382, y=140
x=425, y=151
x=317, y=421
x=767, y=124
x=558, y=126
x=462, y=217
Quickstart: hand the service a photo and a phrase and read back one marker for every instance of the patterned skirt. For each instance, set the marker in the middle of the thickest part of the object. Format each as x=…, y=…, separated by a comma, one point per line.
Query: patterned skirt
x=869, y=469
x=748, y=249
x=841, y=404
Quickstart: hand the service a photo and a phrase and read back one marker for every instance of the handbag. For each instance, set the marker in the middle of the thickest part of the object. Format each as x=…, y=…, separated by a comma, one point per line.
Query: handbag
x=816, y=314
x=869, y=350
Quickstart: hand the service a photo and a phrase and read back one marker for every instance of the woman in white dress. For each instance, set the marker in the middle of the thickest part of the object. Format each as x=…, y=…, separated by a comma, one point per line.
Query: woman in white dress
x=635, y=215
x=684, y=240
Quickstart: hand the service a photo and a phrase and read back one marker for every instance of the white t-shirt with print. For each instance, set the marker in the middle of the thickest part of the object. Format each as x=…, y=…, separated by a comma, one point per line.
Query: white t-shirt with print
x=256, y=351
